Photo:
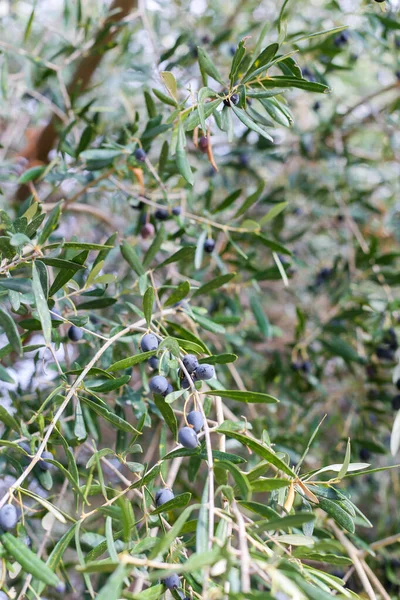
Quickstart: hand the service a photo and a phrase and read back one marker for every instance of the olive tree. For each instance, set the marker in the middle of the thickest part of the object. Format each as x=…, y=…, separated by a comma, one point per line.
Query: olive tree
x=199, y=308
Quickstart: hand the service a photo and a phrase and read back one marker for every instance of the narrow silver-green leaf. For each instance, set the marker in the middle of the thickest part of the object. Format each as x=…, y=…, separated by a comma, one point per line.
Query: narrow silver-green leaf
x=148, y=301
x=41, y=305
x=11, y=331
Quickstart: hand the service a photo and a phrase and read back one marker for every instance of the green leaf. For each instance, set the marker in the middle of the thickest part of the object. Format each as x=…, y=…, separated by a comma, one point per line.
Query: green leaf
x=129, y=254
x=202, y=522
x=31, y=174
x=218, y=359
x=186, y=253
x=239, y=478
x=178, y=294
x=259, y=315
x=56, y=555
x=130, y=361
x=278, y=111
x=177, y=502
x=181, y=158
x=9, y=420
x=110, y=385
x=258, y=448
x=250, y=124
x=170, y=83
x=41, y=305
x=155, y=247
x=152, y=593
x=65, y=275
x=165, y=542
x=50, y=224
x=148, y=301
x=338, y=347
x=275, y=246
x=21, y=285
x=28, y=560
x=228, y=201
x=274, y=212
x=113, y=588
x=204, y=93
x=262, y=59
x=100, y=154
x=294, y=82
x=207, y=67
x=260, y=509
x=214, y=284
x=5, y=376
x=346, y=462
x=112, y=418
x=60, y=263
x=250, y=200
x=237, y=61
x=243, y=396
x=289, y=522
x=193, y=119
x=99, y=303
x=11, y=331
x=79, y=246
x=168, y=414
x=268, y=485
x=164, y=98
x=339, y=515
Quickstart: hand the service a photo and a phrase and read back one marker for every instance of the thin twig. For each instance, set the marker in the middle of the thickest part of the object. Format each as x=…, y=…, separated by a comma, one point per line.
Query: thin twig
x=353, y=554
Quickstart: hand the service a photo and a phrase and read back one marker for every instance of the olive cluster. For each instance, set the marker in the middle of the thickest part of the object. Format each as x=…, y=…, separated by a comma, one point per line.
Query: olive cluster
x=187, y=436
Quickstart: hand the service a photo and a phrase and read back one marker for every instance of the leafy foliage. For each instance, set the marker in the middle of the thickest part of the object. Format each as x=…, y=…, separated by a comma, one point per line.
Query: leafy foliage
x=234, y=196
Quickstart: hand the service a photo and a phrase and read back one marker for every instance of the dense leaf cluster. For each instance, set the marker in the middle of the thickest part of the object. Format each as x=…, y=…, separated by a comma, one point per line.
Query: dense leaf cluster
x=198, y=301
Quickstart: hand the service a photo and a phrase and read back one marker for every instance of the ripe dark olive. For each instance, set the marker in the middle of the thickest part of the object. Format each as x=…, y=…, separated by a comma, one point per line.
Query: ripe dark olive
x=316, y=106
x=188, y=437
x=140, y=154
x=75, y=334
x=234, y=99
x=185, y=383
x=396, y=402
x=308, y=74
x=147, y=231
x=163, y=496
x=169, y=390
x=398, y=384
x=195, y=419
x=209, y=245
x=204, y=372
x=203, y=144
x=341, y=39
x=8, y=517
x=158, y=384
x=385, y=353
x=43, y=465
x=25, y=459
x=148, y=342
x=364, y=454
x=172, y=581
x=161, y=214
x=306, y=366
x=191, y=363
x=176, y=211
x=154, y=362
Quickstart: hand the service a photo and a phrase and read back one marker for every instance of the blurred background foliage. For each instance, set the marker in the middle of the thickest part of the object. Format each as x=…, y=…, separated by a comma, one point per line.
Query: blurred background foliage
x=313, y=312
